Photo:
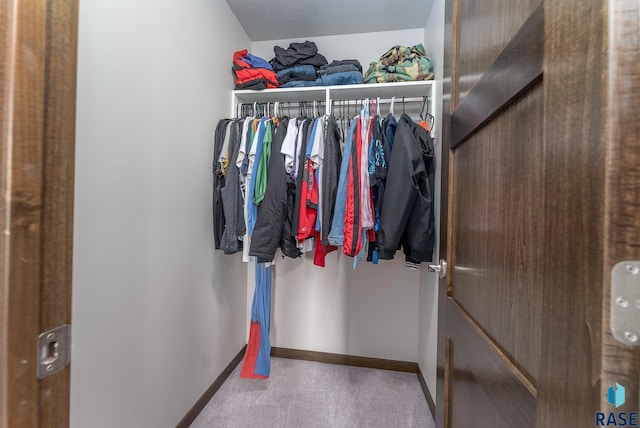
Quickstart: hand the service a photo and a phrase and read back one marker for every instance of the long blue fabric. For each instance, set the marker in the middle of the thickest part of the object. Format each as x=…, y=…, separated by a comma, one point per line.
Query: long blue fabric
x=261, y=313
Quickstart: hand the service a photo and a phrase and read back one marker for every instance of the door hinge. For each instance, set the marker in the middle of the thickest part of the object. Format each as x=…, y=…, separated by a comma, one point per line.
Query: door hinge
x=625, y=302
x=54, y=350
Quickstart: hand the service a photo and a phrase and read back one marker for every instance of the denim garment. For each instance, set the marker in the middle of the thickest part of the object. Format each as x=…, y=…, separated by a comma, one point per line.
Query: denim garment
x=336, y=235
x=345, y=78
x=296, y=77
x=337, y=69
x=299, y=84
x=256, y=363
x=301, y=70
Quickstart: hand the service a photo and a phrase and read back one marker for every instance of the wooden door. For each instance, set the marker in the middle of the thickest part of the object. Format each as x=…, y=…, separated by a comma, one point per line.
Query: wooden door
x=541, y=117
x=37, y=80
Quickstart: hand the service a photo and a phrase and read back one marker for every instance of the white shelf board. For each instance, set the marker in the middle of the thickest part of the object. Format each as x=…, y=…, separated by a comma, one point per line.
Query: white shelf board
x=382, y=90
x=314, y=93
x=339, y=92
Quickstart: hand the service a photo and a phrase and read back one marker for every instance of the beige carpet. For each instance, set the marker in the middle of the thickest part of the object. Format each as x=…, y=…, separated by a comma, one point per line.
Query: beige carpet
x=305, y=394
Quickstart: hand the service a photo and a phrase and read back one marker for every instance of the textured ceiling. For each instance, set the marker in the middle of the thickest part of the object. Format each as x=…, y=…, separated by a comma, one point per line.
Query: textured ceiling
x=289, y=19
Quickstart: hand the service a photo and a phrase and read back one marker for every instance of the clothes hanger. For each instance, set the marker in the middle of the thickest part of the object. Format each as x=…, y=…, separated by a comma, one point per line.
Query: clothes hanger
x=393, y=100
x=345, y=119
x=422, y=110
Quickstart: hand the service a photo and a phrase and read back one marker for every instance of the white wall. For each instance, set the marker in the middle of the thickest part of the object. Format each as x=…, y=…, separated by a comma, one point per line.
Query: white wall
x=156, y=314
x=428, y=332
x=372, y=312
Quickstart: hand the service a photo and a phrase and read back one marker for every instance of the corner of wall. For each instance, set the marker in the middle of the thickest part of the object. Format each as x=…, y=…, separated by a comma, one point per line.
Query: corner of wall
x=428, y=331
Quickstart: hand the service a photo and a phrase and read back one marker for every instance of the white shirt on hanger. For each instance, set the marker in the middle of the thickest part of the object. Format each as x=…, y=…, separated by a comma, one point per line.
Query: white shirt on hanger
x=243, y=142
x=288, y=148
x=224, y=153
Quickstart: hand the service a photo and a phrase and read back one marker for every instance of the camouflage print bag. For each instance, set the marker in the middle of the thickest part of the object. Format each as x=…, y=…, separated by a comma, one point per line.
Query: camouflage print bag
x=400, y=64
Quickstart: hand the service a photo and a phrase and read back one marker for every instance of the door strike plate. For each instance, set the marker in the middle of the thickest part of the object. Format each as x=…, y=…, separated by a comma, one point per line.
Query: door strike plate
x=54, y=349
x=625, y=302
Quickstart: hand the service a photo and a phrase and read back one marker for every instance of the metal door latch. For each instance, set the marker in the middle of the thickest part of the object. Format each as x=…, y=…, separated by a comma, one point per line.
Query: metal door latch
x=54, y=350
x=440, y=268
x=625, y=302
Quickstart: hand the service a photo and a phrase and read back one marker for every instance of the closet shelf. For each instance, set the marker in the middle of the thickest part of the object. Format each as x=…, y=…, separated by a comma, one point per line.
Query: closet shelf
x=339, y=92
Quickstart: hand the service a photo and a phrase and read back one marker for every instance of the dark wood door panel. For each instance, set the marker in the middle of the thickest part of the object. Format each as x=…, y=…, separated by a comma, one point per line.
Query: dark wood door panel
x=621, y=363
x=515, y=70
x=57, y=194
x=485, y=28
x=543, y=190
x=497, y=238
x=488, y=390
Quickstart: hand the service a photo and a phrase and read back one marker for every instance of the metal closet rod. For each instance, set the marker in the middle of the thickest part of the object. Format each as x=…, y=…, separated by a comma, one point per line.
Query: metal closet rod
x=315, y=106
x=376, y=102
x=401, y=100
x=278, y=106
x=349, y=101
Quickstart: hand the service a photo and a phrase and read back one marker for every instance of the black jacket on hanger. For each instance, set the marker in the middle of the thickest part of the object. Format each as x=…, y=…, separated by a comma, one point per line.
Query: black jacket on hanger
x=273, y=223
x=332, y=158
x=407, y=210
x=234, y=226
x=218, y=183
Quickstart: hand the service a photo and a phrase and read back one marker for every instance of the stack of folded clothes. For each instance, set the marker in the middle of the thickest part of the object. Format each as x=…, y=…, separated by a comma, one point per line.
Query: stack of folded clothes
x=297, y=65
x=301, y=65
x=400, y=64
x=252, y=72
x=342, y=72
x=296, y=76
